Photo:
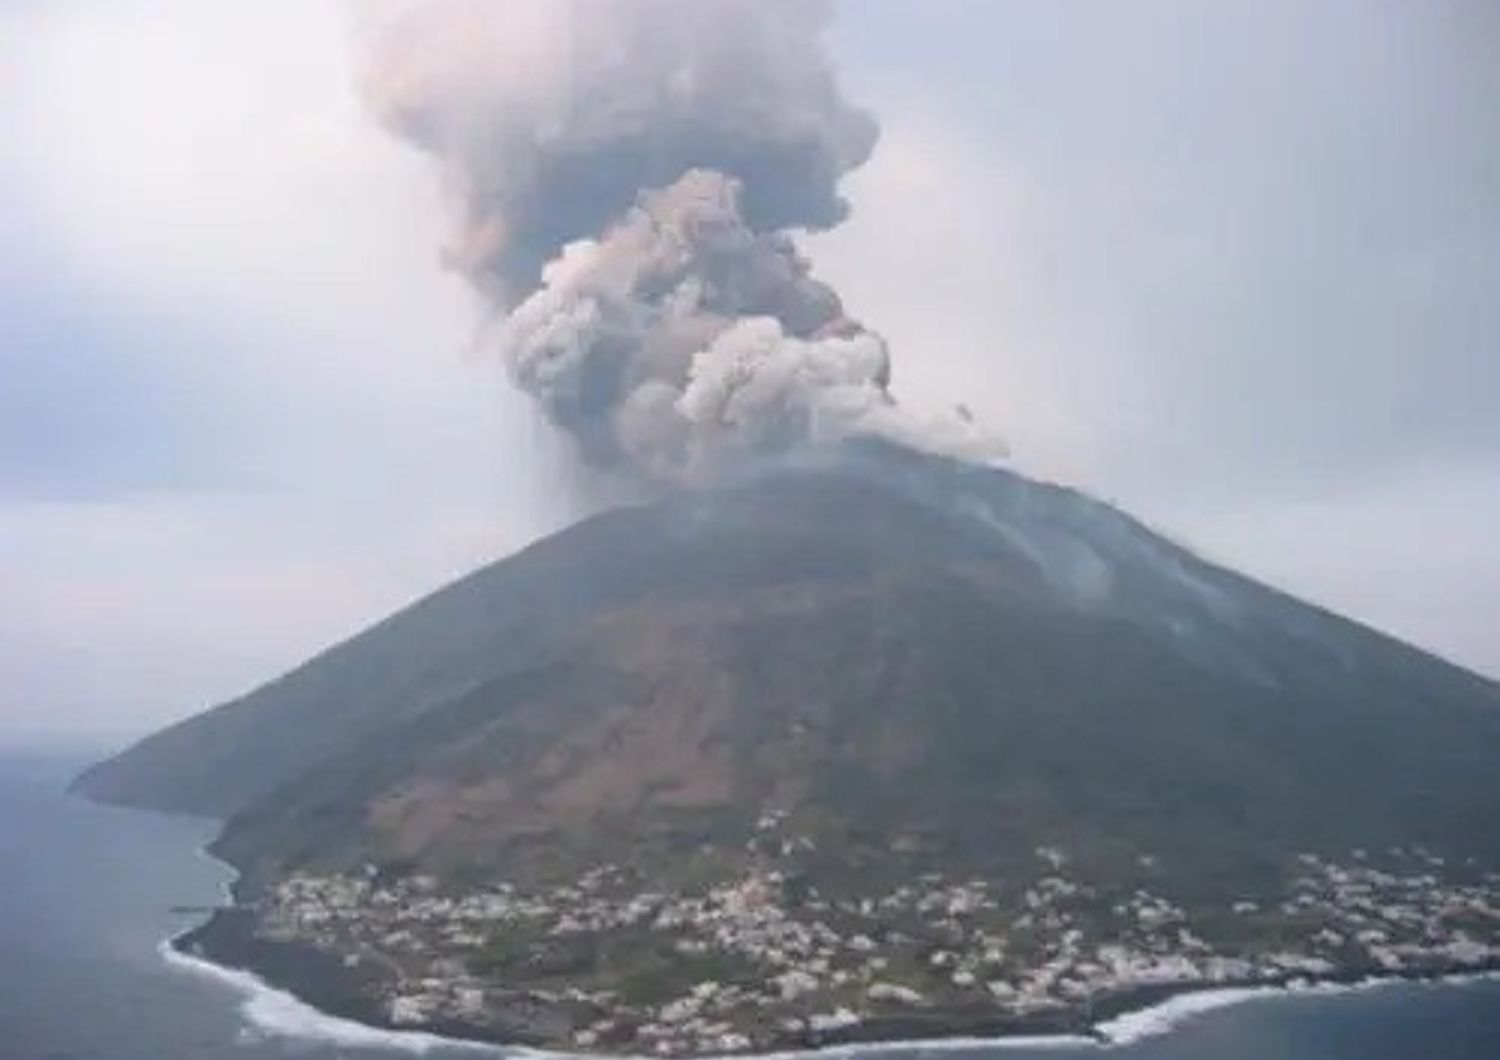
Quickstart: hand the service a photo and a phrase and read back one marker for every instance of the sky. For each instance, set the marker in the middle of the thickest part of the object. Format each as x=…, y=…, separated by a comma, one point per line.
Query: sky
x=1231, y=266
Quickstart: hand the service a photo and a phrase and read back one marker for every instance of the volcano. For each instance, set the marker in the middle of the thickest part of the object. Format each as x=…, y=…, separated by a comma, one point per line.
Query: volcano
x=918, y=658
x=868, y=744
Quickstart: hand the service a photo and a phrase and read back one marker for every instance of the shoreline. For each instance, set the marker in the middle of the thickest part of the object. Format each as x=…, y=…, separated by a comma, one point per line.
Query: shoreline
x=273, y=1006
x=295, y=975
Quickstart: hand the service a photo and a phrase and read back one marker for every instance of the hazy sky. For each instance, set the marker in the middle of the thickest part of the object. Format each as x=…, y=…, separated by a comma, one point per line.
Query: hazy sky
x=1233, y=266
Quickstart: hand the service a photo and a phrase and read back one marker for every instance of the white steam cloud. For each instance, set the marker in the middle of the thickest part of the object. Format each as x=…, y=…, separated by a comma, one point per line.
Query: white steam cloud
x=627, y=174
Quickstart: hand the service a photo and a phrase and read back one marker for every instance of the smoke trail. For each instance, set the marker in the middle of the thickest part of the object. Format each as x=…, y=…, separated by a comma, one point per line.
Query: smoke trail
x=626, y=174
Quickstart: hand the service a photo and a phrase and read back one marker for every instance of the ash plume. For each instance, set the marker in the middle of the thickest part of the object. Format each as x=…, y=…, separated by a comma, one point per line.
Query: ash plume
x=627, y=176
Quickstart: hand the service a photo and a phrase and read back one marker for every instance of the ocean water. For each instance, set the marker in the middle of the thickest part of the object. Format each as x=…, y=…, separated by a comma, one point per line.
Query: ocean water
x=88, y=893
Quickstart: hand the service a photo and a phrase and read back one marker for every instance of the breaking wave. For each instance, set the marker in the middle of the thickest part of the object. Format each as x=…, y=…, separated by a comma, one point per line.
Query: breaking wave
x=1165, y=1016
x=274, y=1013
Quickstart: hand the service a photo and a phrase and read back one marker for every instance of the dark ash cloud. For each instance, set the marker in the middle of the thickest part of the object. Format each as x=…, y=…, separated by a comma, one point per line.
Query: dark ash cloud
x=626, y=175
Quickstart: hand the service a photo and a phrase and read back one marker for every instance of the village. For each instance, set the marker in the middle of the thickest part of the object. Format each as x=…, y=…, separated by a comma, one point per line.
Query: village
x=762, y=960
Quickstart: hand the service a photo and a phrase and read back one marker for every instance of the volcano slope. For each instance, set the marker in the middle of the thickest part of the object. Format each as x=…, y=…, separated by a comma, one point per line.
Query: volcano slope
x=844, y=676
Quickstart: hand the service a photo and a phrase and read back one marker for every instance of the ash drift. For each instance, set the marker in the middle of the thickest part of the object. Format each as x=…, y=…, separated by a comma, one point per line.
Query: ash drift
x=625, y=178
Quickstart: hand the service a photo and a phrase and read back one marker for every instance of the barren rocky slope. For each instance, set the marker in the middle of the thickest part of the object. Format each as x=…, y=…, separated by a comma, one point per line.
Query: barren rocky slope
x=915, y=659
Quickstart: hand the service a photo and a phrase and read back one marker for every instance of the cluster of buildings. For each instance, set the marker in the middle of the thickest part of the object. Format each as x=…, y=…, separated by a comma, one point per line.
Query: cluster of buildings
x=766, y=960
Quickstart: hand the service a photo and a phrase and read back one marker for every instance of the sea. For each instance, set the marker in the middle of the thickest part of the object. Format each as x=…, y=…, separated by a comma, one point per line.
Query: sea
x=89, y=895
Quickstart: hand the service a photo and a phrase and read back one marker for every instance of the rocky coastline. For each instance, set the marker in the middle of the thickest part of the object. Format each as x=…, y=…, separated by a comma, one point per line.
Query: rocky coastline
x=312, y=939
x=227, y=939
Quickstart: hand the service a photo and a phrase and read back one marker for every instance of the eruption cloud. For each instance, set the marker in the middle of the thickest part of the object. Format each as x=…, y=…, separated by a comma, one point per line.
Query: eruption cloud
x=628, y=175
